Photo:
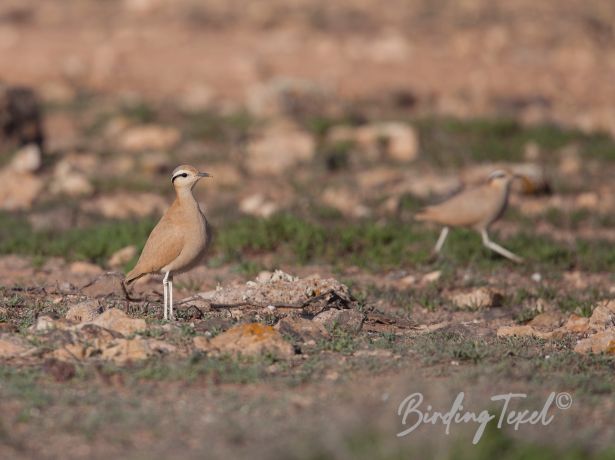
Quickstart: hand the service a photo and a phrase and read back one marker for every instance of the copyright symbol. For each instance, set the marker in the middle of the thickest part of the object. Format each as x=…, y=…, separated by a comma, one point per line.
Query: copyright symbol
x=563, y=400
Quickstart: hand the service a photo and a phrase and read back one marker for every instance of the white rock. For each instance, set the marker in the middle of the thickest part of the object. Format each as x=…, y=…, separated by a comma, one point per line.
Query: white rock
x=70, y=181
x=477, y=298
x=431, y=277
x=122, y=256
x=27, y=159
x=258, y=205
x=149, y=137
x=345, y=201
x=401, y=140
x=279, y=148
x=18, y=191
x=123, y=205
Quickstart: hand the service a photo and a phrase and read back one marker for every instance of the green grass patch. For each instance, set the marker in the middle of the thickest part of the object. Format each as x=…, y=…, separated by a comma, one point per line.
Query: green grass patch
x=212, y=126
x=366, y=243
x=451, y=142
x=95, y=243
x=372, y=443
x=519, y=358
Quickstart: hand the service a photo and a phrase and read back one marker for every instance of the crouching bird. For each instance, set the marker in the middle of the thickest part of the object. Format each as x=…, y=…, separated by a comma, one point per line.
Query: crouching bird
x=179, y=241
x=475, y=208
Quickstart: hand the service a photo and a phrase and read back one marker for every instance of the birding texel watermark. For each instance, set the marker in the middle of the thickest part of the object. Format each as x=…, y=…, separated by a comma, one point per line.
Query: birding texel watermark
x=413, y=414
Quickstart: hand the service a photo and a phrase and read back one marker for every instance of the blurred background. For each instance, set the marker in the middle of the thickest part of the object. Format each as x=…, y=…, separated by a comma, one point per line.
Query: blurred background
x=326, y=125
x=383, y=107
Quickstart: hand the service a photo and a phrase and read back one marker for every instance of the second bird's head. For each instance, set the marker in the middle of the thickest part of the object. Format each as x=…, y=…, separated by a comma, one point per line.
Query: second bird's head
x=186, y=176
x=501, y=177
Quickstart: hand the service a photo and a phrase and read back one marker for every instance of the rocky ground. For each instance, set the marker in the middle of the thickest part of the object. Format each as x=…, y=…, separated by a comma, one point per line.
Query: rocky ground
x=319, y=307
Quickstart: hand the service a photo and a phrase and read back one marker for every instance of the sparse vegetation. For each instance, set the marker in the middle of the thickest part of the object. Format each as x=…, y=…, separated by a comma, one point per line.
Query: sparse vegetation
x=324, y=140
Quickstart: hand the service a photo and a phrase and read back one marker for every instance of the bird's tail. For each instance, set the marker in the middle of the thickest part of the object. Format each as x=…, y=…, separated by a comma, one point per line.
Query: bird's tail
x=132, y=276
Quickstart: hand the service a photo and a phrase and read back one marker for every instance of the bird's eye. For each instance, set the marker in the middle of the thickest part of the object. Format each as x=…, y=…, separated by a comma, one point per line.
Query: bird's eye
x=184, y=175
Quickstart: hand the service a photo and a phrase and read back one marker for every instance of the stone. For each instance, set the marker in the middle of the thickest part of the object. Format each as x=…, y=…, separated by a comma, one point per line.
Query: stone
x=522, y=331
x=85, y=268
x=122, y=256
x=108, y=284
x=431, y=277
x=280, y=147
x=576, y=323
x=482, y=297
x=397, y=140
x=18, y=191
x=84, y=311
x=156, y=163
x=287, y=96
x=344, y=200
x=258, y=205
x=122, y=351
x=12, y=346
x=546, y=320
x=118, y=321
x=406, y=281
x=195, y=99
x=302, y=330
x=27, y=159
x=70, y=352
x=57, y=92
x=601, y=342
x=46, y=323
x=149, y=137
x=346, y=320
x=74, y=184
x=280, y=289
x=570, y=163
x=225, y=174
x=588, y=200
x=341, y=134
x=251, y=339
x=603, y=316
x=124, y=205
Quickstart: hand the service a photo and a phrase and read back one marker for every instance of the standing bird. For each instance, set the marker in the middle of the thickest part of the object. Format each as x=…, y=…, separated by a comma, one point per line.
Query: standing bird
x=179, y=240
x=476, y=208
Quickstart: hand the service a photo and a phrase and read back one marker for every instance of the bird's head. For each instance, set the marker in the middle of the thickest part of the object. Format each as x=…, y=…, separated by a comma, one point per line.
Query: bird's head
x=186, y=176
x=501, y=178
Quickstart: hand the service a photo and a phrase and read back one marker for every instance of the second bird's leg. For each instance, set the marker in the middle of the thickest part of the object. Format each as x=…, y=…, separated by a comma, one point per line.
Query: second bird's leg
x=441, y=240
x=165, y=284
x=171, y=314
x=499, y=249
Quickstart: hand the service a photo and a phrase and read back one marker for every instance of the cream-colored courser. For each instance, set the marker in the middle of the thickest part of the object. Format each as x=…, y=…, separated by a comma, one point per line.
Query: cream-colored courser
x=476, y=208
x=179, y=240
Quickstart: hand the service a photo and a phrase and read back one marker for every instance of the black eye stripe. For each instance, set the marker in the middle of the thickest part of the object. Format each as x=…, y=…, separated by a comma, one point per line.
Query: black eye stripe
x=179, y=175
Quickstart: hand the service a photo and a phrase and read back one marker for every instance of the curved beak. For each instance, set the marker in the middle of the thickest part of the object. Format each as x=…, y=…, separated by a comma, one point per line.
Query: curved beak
x=204, y=174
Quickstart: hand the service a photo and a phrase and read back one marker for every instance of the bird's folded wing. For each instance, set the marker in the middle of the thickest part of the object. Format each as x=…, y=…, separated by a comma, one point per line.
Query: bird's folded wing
x=162, y=247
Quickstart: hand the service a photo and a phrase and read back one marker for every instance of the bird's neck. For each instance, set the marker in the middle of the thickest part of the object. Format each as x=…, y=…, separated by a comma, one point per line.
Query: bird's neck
x=184, y=196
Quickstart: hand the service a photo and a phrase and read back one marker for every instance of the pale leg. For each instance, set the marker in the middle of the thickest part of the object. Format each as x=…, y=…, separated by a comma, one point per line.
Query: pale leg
x=441, y=240
x=499, y=249
x=165, y=284
x=171, y=314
